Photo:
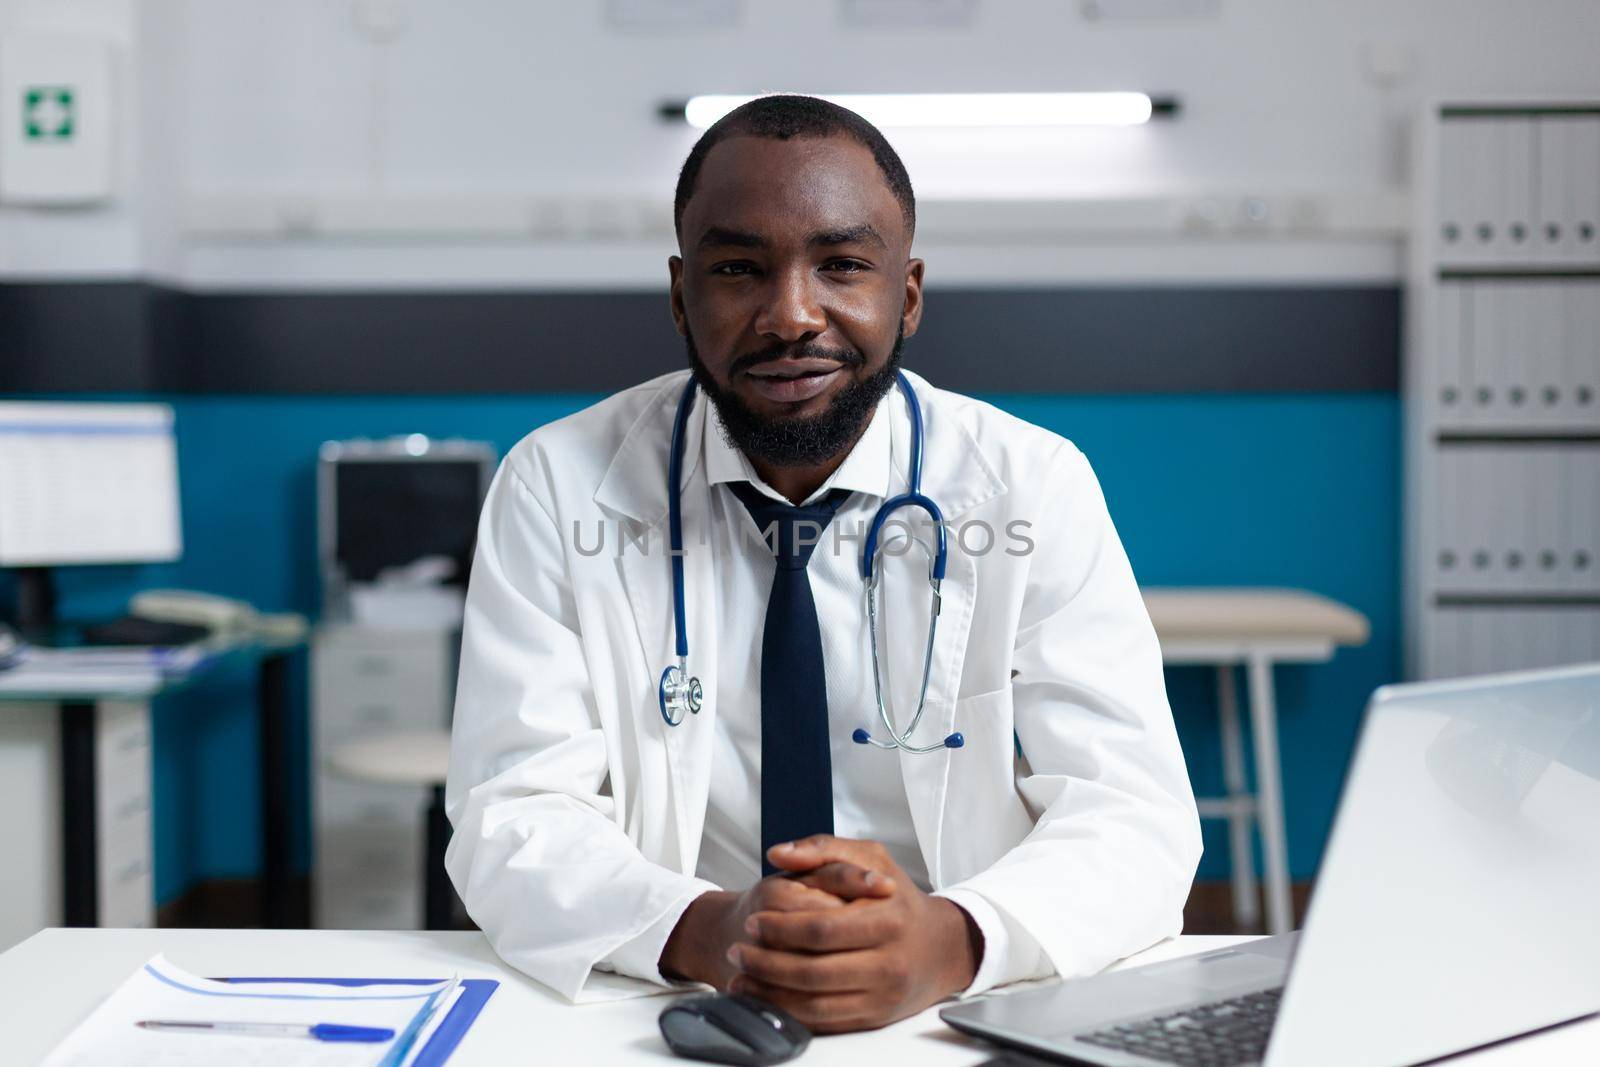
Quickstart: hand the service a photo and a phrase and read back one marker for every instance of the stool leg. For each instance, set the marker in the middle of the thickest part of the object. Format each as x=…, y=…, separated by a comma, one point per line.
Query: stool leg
x=1269, y=795
x=436, y=890
x=1246, y=901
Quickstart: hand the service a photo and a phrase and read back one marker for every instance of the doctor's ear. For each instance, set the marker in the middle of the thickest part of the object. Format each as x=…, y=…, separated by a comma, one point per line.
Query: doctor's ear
x=911, y=309
x=675, y=294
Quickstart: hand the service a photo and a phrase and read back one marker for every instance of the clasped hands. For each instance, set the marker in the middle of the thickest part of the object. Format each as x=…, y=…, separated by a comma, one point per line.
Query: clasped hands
x=842, y=939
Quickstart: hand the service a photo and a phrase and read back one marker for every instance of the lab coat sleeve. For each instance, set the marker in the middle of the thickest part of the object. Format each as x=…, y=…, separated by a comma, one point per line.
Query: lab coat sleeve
x=1108, y=865
x=537, y=854
x=1010, y=953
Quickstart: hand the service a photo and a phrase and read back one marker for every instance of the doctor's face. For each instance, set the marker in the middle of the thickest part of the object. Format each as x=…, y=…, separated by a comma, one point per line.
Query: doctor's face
x=794, y=292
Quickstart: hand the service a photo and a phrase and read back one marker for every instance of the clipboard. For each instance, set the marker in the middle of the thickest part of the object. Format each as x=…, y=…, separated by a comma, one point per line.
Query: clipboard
x=475, y=993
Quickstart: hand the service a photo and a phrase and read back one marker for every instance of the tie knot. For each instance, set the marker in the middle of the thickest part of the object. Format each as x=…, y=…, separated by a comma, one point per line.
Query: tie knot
x=790, y=531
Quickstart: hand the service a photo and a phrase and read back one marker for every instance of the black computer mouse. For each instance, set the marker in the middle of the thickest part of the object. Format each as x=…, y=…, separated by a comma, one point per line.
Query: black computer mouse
x=729, y=1028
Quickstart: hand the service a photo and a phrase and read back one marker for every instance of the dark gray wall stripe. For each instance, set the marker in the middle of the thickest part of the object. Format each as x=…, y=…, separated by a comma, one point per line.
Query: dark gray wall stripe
x=1159, y=339
x=131, y=337
x=72, y=337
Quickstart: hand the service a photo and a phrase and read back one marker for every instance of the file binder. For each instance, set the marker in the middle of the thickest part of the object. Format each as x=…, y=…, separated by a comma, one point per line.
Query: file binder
x=1514, y=164
x=1456, y=179
x=1495, y=494
x=1449, y=387
x=1583, y=349
x=1483, y=188
x=1586, y=178
x=1474, y=346
x=1555, y=233
x=1548, y=371
x=1483, y=340
x=1586, y=527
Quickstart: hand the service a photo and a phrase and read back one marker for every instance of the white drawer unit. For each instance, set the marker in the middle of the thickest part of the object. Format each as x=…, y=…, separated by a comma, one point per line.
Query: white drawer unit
x=123, y=801
x=368, y=838
x=1503, y=389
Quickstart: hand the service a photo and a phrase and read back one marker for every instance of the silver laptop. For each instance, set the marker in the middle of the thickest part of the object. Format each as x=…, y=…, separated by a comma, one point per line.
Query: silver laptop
x=1456, y=905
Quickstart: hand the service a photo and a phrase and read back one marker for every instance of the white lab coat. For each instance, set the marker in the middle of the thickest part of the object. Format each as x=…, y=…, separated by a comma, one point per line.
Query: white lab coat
x=578, y=812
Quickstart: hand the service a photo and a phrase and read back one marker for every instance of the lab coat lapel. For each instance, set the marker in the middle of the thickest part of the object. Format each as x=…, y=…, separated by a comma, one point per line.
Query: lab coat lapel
x=958, y=478
x=635, y=488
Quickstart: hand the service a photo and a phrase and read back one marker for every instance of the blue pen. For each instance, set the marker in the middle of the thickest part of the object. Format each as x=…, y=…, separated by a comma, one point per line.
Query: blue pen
x=317, y=1032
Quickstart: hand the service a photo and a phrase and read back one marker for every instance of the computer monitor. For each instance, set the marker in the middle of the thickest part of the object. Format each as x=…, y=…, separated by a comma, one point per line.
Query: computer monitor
x=385, y=504
x=85, y=483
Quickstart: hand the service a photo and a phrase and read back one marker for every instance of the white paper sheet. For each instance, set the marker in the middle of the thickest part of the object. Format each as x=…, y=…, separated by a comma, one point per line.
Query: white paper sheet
x=158, y=990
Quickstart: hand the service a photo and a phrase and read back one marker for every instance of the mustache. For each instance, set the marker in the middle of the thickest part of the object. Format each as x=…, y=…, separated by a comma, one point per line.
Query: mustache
x=849, y=357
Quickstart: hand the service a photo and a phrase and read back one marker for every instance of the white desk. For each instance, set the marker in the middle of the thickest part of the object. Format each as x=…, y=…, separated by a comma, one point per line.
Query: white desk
x=1255, y=628
x=52, y=980
x=97, y=853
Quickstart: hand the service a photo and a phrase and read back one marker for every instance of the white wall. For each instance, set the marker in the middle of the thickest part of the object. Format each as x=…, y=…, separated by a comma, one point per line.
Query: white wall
x=288, y=103
x=93, y=242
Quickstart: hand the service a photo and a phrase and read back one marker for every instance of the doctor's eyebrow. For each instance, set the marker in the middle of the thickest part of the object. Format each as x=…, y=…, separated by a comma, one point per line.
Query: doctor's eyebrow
x=865, y=233
x=723, y=237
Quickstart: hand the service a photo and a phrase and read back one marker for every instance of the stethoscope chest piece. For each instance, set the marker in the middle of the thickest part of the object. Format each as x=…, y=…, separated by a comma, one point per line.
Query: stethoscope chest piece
x=679, y=693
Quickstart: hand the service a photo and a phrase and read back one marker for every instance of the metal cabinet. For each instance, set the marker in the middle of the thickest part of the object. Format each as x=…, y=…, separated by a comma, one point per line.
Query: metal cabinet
x=367, y=681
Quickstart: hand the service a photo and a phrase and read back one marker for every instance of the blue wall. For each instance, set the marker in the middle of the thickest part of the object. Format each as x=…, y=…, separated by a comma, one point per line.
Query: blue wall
x=1294, y=490
x=1298, y=490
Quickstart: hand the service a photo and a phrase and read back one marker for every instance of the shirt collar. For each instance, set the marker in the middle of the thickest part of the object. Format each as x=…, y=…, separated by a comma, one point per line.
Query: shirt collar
x=866, y=469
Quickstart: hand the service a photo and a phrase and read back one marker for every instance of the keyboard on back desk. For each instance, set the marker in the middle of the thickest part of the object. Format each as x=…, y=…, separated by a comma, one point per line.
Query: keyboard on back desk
x=1222, y=1033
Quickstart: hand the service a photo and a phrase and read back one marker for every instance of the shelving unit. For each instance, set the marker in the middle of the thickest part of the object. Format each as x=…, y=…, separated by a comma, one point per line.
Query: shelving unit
x=1503, y=389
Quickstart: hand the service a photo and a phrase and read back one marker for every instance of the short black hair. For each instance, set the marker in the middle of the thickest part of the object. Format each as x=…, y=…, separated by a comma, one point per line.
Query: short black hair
x=786, y=115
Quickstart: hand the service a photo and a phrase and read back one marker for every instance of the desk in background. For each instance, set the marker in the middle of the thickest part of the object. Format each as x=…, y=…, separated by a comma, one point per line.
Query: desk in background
x=50, y=982
x=104, y=790
x=1256, y=629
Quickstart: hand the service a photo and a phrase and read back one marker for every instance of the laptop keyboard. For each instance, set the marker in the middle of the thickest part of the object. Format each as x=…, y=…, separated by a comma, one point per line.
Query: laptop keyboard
x=1219, y=1034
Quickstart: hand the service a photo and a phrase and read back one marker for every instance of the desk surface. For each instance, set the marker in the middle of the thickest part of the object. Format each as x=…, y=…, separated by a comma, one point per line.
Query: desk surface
x=52, y=980
x=137, y=674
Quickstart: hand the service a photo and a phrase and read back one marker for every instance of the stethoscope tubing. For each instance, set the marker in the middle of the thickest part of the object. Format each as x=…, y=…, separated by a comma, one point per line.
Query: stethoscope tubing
x=679, y=692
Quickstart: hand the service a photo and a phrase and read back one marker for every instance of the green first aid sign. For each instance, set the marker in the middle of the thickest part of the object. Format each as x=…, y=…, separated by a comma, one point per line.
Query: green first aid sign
x=48, y=113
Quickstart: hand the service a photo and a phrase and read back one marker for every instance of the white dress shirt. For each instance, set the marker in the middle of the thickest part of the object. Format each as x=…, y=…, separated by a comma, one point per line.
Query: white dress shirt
x=869, y=798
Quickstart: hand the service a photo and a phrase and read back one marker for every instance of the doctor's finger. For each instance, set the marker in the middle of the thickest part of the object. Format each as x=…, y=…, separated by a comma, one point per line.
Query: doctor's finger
x=791, y=894
x=831, y=972
x=849, y=881
x=822, y=1013
x=860, y=925
x=811, y=852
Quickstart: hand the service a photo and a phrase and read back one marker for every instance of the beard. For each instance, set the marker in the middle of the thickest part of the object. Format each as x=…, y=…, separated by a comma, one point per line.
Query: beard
x=807, y=441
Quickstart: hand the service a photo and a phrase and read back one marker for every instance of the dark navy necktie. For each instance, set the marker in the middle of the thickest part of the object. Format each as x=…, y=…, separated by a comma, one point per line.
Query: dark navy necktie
x=796, y=768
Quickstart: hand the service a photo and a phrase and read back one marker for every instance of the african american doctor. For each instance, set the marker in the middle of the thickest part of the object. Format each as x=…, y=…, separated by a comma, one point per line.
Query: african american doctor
x=758, y=846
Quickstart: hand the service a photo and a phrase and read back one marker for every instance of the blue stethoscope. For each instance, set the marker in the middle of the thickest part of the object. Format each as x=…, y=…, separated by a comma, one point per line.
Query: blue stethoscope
x=680, y=693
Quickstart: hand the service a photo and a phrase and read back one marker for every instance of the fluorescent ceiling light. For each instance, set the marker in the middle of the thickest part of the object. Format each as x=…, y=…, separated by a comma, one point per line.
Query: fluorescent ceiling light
x=963, y=109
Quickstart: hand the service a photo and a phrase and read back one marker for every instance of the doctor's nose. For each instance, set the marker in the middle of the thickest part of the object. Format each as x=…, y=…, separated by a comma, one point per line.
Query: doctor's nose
x=792, y=312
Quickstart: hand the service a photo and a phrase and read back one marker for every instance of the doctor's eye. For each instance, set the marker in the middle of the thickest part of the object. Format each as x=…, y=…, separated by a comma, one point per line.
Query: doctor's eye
x=734, y=270
x=846, y=266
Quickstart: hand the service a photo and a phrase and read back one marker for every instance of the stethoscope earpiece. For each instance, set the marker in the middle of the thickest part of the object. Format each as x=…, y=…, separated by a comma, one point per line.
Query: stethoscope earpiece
x=679, y=692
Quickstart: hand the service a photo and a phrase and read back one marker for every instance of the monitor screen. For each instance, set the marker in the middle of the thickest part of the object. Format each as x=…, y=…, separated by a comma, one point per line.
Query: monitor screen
x=87, y=483
x=393, y=511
